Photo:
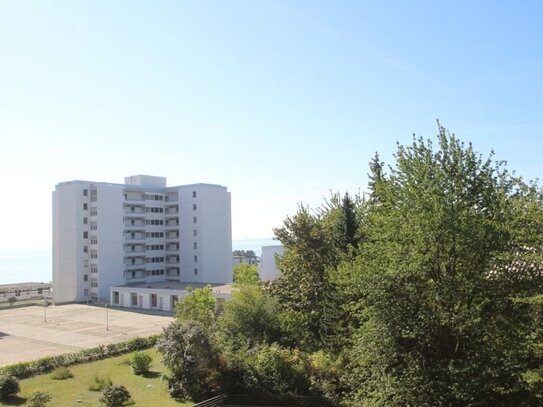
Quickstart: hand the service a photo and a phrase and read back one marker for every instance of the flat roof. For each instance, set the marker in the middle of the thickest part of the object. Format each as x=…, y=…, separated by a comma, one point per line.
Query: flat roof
x=178, y=285
x=140, y=187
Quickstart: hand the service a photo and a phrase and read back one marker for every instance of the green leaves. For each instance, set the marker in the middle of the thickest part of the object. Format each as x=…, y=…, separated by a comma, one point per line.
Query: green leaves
x=447, y=237
x=198, y=305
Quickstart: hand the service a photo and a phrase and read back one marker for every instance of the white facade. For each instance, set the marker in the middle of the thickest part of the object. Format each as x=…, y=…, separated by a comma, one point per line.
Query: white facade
x=268, y=266
x=141, y=231
x=161, y=296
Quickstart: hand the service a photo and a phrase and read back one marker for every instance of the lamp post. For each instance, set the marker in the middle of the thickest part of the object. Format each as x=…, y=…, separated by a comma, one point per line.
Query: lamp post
x=45, y=303
x=107, y=318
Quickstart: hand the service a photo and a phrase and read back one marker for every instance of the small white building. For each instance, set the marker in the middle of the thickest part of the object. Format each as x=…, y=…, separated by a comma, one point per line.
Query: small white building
x=161, y=296
x=268, y=266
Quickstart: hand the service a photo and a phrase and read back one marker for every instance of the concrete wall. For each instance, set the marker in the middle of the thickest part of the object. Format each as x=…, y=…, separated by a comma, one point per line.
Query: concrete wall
x=110, y=239
x=68, y=244
x=268, y=266
x=213, y=236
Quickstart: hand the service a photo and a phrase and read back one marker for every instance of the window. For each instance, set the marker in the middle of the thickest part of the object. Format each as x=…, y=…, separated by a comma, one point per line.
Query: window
x=134, y=299
x=194, y=194
x=94, y=255
x=195, y=258
x=194, y=233
x=85, y=235
x=115, y=297
x=94, y=283
x=153, y=300
x=196, y=272
x=133, y=274
x=85, y=292
x=193, y=207
x=94, y=241
x=85, y=206
x=85, y=221
x=85, y=249
x=85, y=277
x=85, y=192
x=195, y=245
x=194, y=219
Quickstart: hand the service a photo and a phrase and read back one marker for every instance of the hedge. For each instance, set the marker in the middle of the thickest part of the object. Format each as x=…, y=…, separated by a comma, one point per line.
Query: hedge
x=24, y=370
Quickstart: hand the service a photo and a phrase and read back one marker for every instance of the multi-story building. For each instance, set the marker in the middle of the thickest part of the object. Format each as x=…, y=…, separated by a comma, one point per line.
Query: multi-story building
x=137, y=234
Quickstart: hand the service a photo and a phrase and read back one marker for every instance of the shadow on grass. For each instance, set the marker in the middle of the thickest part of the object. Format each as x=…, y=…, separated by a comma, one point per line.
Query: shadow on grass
x=151, y=375
x=14, y=401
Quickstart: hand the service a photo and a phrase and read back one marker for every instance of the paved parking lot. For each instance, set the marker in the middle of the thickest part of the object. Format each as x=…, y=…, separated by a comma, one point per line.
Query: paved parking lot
x=25, y=336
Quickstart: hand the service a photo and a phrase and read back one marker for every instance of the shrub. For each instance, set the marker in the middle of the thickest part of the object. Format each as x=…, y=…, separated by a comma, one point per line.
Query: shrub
x=140, y=362
x=27, y=369
x=114, y=396
x=99, y=383
x=9, y=385
x=39, y=399
x=188, y=352
x=61, y=373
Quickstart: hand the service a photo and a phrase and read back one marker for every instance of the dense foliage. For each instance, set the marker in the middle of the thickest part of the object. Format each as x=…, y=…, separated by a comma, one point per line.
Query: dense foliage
x=9, y=385
x=141, y=363
x=114, y=396
x=426, y=292
x=39, y=399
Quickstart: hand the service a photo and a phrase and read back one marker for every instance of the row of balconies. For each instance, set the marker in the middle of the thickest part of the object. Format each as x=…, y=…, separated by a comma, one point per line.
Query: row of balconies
x=139, y=236
x=141, y=198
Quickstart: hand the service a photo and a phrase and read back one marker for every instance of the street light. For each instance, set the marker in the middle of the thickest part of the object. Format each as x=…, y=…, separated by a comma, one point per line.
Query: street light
x=45, y=303
x=107, y=318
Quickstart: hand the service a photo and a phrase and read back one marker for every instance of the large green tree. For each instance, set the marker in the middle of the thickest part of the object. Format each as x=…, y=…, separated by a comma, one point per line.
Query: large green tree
x=450, y=241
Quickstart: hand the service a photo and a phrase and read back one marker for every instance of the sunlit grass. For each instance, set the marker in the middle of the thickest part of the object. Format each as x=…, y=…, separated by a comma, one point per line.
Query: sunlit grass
x=146, y=390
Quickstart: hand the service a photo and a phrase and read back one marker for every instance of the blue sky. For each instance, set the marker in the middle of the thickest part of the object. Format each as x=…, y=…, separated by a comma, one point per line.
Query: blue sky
x=281, y=101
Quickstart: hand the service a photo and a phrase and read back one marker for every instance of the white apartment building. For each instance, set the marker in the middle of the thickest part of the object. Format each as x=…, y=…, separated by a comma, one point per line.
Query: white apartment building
x=140, y=233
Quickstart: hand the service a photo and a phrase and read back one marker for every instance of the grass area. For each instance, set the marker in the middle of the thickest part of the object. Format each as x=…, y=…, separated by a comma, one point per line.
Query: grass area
x=149, y=390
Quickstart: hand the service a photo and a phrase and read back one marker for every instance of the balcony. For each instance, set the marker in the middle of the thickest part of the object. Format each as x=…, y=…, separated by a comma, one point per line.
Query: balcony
x=138, y=248
x=173, y=248
x=169, y=224
x=137, y=212
x=137, y=236
x=134, y=226
x=134, y=198
x=132, y=266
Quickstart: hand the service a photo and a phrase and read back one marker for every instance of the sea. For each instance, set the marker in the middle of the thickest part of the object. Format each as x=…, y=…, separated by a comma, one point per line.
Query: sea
x=35, y=265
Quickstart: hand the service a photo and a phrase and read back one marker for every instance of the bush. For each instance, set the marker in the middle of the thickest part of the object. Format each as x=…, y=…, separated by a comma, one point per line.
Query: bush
x=39, y=399
x=114, y=396
x=24, y=370
x=140, y=363
x=188, y=352
x=61, y=373
x=9, y=385
x=99, y=383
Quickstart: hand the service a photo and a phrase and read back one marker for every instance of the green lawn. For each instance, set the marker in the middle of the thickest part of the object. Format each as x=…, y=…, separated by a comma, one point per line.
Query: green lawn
x=145, y=391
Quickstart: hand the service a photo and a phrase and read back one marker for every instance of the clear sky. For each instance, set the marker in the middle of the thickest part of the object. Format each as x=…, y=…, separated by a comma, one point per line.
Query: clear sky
x=281, y=101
